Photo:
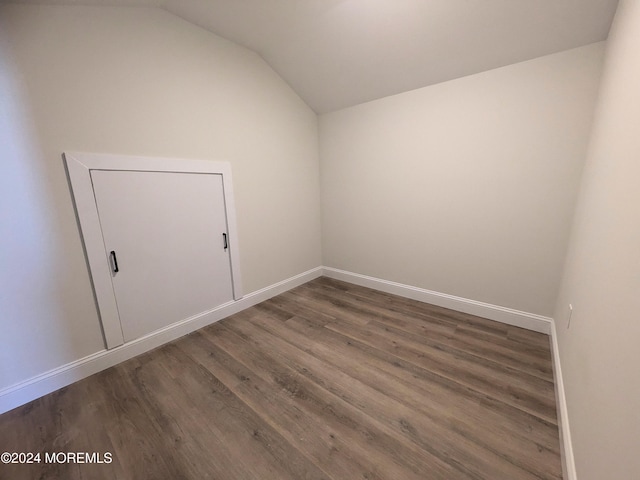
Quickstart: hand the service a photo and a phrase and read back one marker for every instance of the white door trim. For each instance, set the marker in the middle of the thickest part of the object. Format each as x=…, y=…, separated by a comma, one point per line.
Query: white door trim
x=79, y=166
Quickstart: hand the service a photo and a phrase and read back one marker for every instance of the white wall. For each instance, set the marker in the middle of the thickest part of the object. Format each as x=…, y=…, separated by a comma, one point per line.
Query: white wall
x=600, y=352
x=466, y=187
x=142, y=82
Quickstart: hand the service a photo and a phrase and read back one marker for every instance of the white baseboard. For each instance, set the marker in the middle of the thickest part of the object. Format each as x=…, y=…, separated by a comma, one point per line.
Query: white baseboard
x=530, y=321
x=35, y=387
x=566, y=447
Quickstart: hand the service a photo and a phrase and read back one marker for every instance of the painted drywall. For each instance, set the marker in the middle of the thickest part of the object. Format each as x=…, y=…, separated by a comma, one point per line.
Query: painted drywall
x=466, y=187
x=136, y=81
x=599, y=351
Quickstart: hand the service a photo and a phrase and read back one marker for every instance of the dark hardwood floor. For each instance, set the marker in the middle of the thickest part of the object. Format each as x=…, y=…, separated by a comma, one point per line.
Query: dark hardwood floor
x=327, y=381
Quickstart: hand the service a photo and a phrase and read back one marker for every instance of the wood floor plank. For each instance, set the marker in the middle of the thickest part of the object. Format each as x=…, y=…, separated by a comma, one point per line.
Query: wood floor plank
x=327, y=381
x=463, y=337
x=456, y=397
x=287, y=403
x=140, y=440
x=523, y=340
x=449, y=431
x=253, y=447
x=445, y=402
x=367, y=441
x=436, y=313
x=505, y=385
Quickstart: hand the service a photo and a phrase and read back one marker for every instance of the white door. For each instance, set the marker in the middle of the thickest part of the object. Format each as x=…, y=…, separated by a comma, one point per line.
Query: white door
x=167, y=234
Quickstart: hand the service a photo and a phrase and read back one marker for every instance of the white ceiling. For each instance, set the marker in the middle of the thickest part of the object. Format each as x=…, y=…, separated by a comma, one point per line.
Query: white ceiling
x=338, y=53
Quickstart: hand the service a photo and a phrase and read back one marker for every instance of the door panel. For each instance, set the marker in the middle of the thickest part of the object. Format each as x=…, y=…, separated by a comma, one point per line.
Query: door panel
x=166, y=230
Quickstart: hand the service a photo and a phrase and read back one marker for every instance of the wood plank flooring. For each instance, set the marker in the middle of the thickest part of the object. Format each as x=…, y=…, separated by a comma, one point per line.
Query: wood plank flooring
x=327, y=381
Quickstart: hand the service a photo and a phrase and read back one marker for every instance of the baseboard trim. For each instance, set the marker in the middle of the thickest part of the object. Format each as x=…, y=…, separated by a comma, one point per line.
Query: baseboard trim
x=35, y=387
x=530, y=321
x=566, y=446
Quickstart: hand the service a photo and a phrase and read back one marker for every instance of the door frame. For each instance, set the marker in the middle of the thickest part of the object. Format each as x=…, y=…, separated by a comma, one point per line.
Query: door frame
x=79, y=166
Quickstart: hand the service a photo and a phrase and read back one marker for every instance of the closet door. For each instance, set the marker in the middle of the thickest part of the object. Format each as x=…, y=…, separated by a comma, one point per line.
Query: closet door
x=165, y=236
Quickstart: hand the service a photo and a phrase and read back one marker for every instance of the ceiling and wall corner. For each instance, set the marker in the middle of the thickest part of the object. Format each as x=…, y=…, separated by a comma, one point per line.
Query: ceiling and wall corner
x=466, y=187
x=339, y=53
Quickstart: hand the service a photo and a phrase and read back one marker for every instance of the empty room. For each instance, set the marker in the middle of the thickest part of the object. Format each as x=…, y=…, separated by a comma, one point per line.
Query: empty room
x=320, y=239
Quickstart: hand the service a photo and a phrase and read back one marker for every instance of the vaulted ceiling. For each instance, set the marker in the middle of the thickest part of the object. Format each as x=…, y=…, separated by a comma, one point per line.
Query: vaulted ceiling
x=338, y=53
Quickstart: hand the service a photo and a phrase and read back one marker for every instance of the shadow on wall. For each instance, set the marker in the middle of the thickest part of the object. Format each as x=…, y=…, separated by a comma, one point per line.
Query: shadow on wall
x=34, y=316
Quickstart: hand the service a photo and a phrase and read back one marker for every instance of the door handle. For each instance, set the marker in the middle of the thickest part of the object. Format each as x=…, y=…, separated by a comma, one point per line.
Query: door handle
x=114, y=262
x=224, y=238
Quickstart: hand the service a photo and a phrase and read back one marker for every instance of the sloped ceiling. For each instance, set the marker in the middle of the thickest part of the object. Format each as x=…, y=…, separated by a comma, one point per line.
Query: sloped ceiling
x=338, y=53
